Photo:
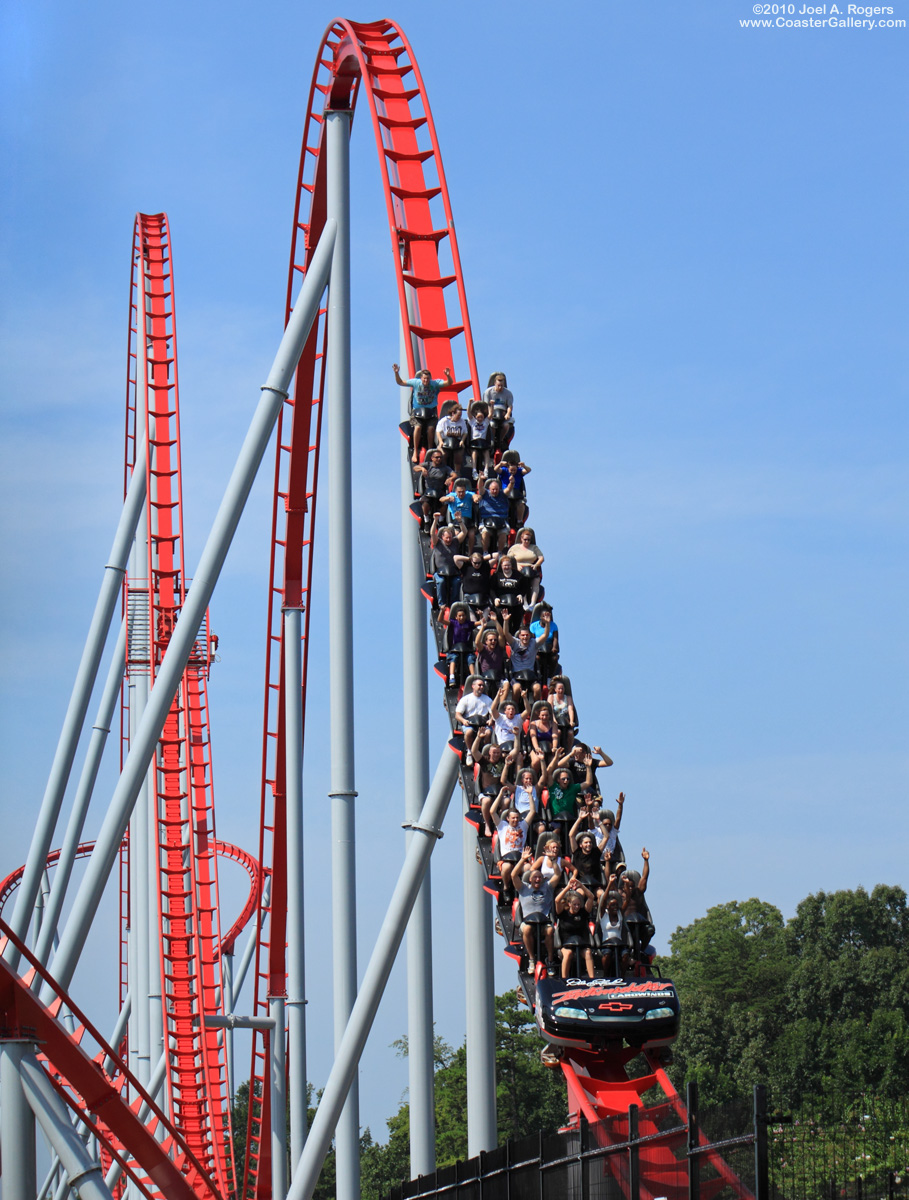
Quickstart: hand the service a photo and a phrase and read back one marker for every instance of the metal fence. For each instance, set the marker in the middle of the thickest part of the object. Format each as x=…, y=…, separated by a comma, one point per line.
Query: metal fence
x=860, y=1152
x=737, y=1151
x=646, y=1154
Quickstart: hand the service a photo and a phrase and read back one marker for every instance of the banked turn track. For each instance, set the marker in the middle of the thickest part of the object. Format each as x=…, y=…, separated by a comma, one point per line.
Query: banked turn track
x=374, y=59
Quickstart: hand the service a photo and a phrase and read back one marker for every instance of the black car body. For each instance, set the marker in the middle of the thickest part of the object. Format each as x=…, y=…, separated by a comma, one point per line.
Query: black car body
x=588, y=1013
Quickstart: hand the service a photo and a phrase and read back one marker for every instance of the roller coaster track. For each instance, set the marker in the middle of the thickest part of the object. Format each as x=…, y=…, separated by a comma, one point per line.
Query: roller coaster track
x=181, y=792
x=375, y=59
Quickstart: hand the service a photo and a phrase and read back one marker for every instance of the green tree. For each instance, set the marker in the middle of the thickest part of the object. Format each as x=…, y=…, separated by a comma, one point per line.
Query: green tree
x=818, y=1008
x=731, y=968
x=846, y=1008
x=529, y=1097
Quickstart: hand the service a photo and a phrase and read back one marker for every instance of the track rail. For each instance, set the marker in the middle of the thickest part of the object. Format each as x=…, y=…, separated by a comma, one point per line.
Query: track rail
x=371, y=64
x=151, y=1150
x=186, y=885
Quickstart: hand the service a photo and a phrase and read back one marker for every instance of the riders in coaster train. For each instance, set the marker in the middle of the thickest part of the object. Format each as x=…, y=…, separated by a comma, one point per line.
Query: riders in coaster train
x=493, y=502
x=510, y=590
x=452, y=433
x=529, y=560
x=512, y=470
x=443, y=564
x=424, y=405
x=501, y=408
x=480, y=437
x=436, y=477
x=460, y=504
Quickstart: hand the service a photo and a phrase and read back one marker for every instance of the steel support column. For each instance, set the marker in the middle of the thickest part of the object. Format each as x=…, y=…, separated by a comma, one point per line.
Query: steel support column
x=381, y=961
x=293, y=799
x=278, y=1086
x=480, y=998
x=17, y=1124
x=83, y=1176
x=340, y=582
x=274, y=392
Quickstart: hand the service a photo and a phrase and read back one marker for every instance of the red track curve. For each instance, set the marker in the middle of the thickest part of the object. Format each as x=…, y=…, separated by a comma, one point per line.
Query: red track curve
x=187, y=883
x=375, y=59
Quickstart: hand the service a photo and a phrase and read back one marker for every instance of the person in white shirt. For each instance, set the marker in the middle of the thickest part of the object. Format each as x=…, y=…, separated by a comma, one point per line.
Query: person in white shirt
x=480, y=441
x=508, y=720
x=471, y=713
x=452, y=432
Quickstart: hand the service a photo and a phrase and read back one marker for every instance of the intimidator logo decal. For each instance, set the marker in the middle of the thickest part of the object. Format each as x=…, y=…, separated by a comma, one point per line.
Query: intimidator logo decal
x=650, y=989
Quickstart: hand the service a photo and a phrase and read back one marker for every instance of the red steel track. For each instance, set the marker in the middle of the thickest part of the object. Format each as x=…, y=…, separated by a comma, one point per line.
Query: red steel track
x=187, y=879
x=375, y=60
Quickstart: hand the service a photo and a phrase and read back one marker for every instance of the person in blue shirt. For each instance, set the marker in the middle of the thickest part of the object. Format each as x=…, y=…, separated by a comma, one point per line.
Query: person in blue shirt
x=512, y=470
x=424, y=405
x=548, y=648
x=492, y=503
x=461, y=504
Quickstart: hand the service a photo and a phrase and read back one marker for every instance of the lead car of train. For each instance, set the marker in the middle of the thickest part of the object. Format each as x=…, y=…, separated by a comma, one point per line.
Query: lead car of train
x=590, y=1014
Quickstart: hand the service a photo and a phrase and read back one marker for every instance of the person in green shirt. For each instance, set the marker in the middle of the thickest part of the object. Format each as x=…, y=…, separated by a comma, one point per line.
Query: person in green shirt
x=563, y=796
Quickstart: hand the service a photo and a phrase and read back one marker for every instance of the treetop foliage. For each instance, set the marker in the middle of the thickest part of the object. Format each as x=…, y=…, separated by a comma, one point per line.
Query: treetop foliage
x=816, y=1007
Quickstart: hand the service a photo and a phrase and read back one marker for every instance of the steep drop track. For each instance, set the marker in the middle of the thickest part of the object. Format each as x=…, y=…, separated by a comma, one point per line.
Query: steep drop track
x=375, y=61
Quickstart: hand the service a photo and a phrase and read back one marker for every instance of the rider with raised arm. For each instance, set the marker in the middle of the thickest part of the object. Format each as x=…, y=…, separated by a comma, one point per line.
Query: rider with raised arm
x=493, y=511
x=424, y=404
x=573, y=906
x=537, y=901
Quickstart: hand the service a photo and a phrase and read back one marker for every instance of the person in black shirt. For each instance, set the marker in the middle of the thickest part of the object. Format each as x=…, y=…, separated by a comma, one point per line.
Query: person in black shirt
x=443, y=562
x=573, y=906
x=436, y=478
x=509, y=589
x=475, y=578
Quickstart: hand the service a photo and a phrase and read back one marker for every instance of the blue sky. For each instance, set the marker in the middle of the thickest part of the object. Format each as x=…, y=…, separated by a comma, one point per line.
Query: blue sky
x=684, y=240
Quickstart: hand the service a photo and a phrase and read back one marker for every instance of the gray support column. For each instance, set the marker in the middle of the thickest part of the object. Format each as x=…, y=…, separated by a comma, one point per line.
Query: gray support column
x=76, y=823
x=17, y=1124
x=480, y=989
x=140, y=902
x=83, y=1175
x=232, y=998
x=227, y=991
x=206, y=576
x=78, y=706
x=296, y=962
x=278, y=1085
x=155, y=1001
x=340, y=582
x=347, y=1055
x=420, y=1032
